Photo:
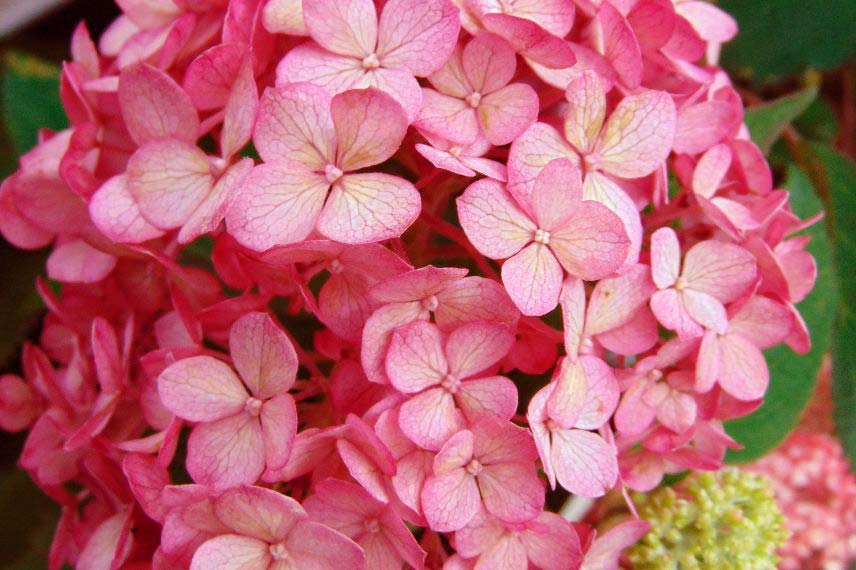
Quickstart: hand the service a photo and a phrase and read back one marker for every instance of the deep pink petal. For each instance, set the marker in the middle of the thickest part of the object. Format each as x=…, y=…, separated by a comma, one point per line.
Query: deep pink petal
x=154, y=106
x=533, y=279
x=209, y=78
x=531, y=40
x=417, y=35
x=201, y=389
x=226, y=452
x=613, y=37
x=263, y=355
x=347, y=27
x=370, y=126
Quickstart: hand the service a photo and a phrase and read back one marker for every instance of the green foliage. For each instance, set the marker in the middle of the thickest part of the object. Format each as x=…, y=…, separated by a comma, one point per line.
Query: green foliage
x=779, y=37
x=766, y=122
x=792, y=377
x=818, y=122
x=26, y=529
x=29, y=99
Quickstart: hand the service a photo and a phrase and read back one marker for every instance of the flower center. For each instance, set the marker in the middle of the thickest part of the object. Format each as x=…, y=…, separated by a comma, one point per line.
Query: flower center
x=474, y=467
x=474, y=99
x=372, y=526
x=450, y=383
x=253, y=406
x=542, y=237
x=586, y=346
x=550, y=424
x=681, y=283
x=371, y=62
x=335, y=266
x=279, y=553
x=332, y=173
x=455, y=151
x=431, y=303
x=654, y=375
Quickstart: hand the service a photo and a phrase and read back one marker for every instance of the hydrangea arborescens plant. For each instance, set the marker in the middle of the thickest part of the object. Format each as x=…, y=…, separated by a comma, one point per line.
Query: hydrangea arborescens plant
x=355, y=283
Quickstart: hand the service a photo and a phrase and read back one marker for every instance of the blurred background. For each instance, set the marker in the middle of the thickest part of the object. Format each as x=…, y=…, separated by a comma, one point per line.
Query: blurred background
x=795, y=64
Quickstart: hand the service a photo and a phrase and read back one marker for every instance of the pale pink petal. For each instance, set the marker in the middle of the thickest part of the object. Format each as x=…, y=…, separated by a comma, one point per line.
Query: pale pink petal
x=415, y=358
x=201, y=389
x=109, y=544
x=489, y=63
x=400, y=85
x=430, y=418
x=78, y=262
x=712, y=23
x=450, y=500
x=557, y=194
x=448, y=117
x=240, y=113
x=667, y=305
x=277, y=203
x=586, y=111
x=313, y=546
x=232, y=552
x=603, y=189
x=743, y=371
x=511, y=491
x=457, y=452
x=495, y=394
x=451, y=79
x=345, y=27
x=226, y=452
x=257, y=512
x=377, y=333
x=677, y=411
x=555, y=16
x=665, y=257
x=209, y=78
x=474, y=347
x=704, y=124
x=445, y=161
x=613, y=38
x=634, y=414
x=763, y=321
x=638, y=136
x=154, y=106
x=568, y=397
x=585, y=464
x=710, y=170
x=310, y=63
x=552, y=544
x=720, y=269
x=284, y=17
x=473, y=299
x=506, y=113
x=294, y=124
x=417, y=35
x=635, y=336
x=607, y=548
x=533, y=279
x=116, y=214
x=263, y=355
x=371, y=207
x=602, y=393
x=491, y=220
x=487, y=167
x=369, y=126
x=208, y=215
x=592, y=244
x=586, y=60
x=573, y=303
x=531, y=40
x=279, y=426
x=169, y=179
x=530, y=153
x=614, y=301
x=344, y=304
x=507, y=553
x=705, y=309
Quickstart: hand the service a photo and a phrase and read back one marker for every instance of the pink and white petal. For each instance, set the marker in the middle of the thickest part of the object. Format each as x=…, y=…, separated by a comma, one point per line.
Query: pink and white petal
x=447, y=117
x=705, y=310
x=511, y=492
x=592, y=244
x=344, y=27
x=116, y=214
x=415, y=358
x=226, y=452
x=263, y=355
x=456, y=452
x=430, y=418
x=258, y=512
x=473, y=299
x=78, y=262
x=451, y=79
x=240, y=113
x=284, y=17
x=636, y=336
x=370, y=126
x=553, y=544
x=585, y=464
x=555, y=16
x=665, y=257
x=169, y=179
x=614, y=301
x=486, y=167
x=491, y=220
x=533, y=279
x=450, y=500
x=711, y=169
x=712, y=23
x=445, y=161
x=495, y=394
x=677, y=411
x=743, y=371
x=278, y=203
x=638, y=136
x=586, y=112
x=344, y=304
x=568, y=396
x=232, y=552
x=476, y=346
x=763, y=321
x=279, y=426
x=557, y=194
x=154, y=106
x=668, y=306
x=313, y=546
x=398, y=84
x=602, y=393
x=208, y=215
x=366, y=208
x=531, y=40
x=607, y=548
x=378, y=332
x=417, y=36
x=311, y=63
x=601, y=188
x=720, y=269
x=505, y=114
x=530, y=153
x=489, y=63
x=613, y=38
x=294, y=124
x=201, y=389
x=573, y=302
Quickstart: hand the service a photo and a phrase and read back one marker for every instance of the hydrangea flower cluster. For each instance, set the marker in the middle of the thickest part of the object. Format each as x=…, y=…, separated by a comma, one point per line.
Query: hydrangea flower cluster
x=334, y=282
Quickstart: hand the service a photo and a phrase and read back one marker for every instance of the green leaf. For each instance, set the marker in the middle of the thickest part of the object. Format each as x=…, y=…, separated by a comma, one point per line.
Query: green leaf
x=29, y=99
x=793, y=376
x=28, y=522
x=766, y=122
x=780, y=37
x=818, y=122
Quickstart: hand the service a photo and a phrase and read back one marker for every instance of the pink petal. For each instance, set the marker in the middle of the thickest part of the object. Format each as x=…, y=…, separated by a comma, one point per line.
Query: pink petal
x=279, y=426
x=450, y=500
x=342, y=505
x=569, y=393
x=209, y=78
x=634, y=414
x=585, y=464
x=677, y=411
x=511, y=492
x=370, y=126
x=557, y=194
x=451, y=79
x=398, y=84
x=495, y=394
x=23, y=233
x=378, y=332
x=533, y=279
x=712, y=23
x=496, y=441
x=346, y=27
x=603, y=189
x=278, y=203
x=720, y=269
x=415, y=358
x=653, y=23
x=665, y=257
x=208, y=215
x=19, y=405
x=530, y=153
x=344, y=304
x=667, y=305
x=169, y=179
x=586, y=111
x=201, y=389
x=371, y=207
x=573, y=302
x=316, y=547
x=505, y=114
x=607, y=548
x=743, y=370
x=602, y=393
x=592, y=244
x=638, y=136
x=240, y=113
x=531, y=40
x=232, y=552
x=154, y=106
x=710, y=170
x=448, y=117
x=614, y=301
x=702, y=125
x=78, y=262
x=552, y=544
x=474, y=347
x=705, y=310
x=294, y=123
x=417, y=35
x=311, y=63
x=633, y=337
x=430, y=418
x=456, y=452
x=492, y=222
x=489, y=63
x=259, y=513
x=417, y=284
x=284, y=17
x=555, y=16
x=763, y=321
x=116, y=214
x=507, y=553
x=473, y=299
x=109, y=544
x=263, y=355
x=445, y=161
x=226, y=452
x=613, y=37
